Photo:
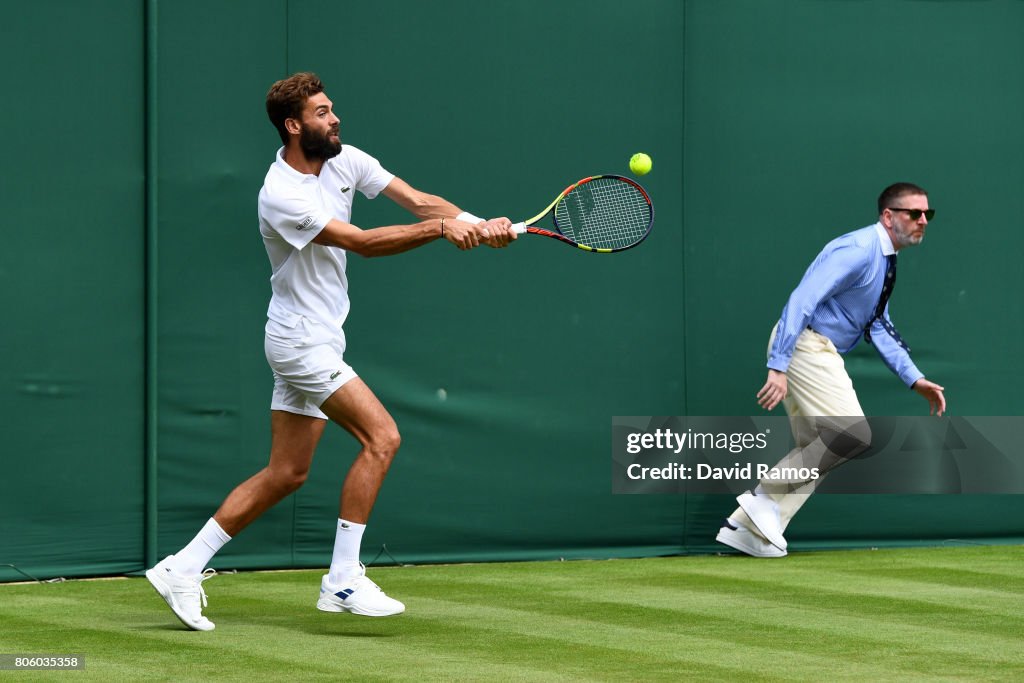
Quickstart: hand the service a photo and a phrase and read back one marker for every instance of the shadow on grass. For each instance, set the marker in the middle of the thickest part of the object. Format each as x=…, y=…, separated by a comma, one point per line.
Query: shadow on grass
x=343, y=625
x=169, y=626
x=343, y=630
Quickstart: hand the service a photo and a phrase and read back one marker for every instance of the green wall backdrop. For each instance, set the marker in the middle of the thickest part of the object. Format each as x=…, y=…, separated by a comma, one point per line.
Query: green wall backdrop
x=773, y=126
x=73, y=279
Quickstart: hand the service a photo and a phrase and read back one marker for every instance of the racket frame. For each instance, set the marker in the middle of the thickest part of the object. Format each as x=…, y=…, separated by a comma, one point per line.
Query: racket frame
x=528, y=226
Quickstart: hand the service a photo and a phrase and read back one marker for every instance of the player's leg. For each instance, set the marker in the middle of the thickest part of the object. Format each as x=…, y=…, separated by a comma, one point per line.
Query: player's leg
x=346, y=587
x=178, y=578
x=356, y=408
x=293, y=441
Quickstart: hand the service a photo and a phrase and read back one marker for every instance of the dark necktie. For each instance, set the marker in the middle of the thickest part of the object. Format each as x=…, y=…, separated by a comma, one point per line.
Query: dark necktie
x=887, y=287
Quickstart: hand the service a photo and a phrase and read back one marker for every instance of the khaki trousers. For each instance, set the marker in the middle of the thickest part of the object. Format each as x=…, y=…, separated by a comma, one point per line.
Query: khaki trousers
x=826, y=419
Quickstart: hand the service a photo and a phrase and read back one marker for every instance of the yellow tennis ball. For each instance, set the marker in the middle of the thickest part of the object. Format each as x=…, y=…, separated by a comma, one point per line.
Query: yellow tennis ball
x=640, y=164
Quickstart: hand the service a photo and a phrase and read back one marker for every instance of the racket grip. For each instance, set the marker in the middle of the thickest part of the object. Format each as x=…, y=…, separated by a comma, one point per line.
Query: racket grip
x=519, y=228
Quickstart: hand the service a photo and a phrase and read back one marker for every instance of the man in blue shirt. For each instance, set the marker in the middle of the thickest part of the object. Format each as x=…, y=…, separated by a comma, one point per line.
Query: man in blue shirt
x=843, y=295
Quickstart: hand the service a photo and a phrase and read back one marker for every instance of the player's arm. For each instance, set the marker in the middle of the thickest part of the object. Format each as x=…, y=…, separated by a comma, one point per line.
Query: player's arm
x=419, y=204
x=496, y=232
x=395, y=239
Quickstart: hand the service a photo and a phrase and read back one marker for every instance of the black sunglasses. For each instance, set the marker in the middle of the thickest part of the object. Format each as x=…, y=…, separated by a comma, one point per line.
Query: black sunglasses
x=915, y=213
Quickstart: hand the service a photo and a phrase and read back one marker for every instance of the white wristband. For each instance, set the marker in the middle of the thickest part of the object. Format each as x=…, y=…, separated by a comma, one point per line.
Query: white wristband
x=467, y=217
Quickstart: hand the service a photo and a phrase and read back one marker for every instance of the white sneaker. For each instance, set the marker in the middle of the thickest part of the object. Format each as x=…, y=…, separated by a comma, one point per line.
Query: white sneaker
x=764, y=513
x=357, y=595
x=746, y=541
x=184, y=594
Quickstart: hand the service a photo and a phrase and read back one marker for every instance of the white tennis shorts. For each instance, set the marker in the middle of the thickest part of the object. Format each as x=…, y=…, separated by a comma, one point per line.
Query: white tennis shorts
x=308, y=365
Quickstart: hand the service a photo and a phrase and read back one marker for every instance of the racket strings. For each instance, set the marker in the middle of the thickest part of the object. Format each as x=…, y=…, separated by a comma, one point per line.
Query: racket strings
x=605, y=213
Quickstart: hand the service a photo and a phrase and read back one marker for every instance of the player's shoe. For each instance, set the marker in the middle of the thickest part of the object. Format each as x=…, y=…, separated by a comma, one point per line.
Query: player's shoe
x=183, y=594
x=358, y=595
x=764, y=513
x=746, y=541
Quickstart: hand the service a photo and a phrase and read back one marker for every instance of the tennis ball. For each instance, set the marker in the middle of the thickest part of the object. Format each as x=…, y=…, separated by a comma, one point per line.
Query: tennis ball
x=640, y=164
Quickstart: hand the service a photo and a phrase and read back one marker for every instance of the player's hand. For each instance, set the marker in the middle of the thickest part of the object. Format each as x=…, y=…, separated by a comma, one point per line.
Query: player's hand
x=932, y=393
x=497, y=232
x=463, y=235
x=774, y=390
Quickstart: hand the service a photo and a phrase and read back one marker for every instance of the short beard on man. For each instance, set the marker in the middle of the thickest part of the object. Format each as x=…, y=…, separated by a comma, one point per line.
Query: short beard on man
x=317, y=146
x=905, y=236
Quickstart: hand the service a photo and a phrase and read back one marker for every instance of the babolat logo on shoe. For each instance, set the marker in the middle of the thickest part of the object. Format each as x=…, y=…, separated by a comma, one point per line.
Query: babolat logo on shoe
x=343, y=594
x=304, y=225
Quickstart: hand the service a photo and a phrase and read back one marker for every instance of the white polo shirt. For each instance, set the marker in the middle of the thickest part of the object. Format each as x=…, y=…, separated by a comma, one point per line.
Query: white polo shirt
x=308, y=280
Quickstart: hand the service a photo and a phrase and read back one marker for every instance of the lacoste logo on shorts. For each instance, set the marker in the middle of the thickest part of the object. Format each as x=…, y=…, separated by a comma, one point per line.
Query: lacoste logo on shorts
x=308, y=221
x=345, y=189
x=335, y=374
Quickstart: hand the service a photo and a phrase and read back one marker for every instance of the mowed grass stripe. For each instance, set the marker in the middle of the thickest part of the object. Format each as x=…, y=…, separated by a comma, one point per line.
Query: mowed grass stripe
x=439, y=637
x=874, y=594
x=788, y=580
x=325, y=646
x=734, y=626
x=181, y=656
x=926, y=565
x=831, y=618
x=938, y=634
x=969, y=567
x=797, y=574
x=160, y=650
x=794, y=579
x=811, y=616
x=247, y=642
x=666, y=637
x=674, y=634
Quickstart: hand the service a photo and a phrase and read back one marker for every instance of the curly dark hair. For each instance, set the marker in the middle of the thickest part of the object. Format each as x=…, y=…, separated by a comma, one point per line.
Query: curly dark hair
x=287, y=97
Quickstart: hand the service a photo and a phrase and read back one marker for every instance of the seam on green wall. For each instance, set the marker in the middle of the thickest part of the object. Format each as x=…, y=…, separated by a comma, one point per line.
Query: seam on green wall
x=150, y=433
x=682, y=256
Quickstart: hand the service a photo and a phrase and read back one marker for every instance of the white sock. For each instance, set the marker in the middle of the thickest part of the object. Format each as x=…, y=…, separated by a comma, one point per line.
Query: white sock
x=193, y=558
x=345, y=563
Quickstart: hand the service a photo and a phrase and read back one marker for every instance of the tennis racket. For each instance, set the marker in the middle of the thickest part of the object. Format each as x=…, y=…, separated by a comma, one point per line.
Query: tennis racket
x=601, y=214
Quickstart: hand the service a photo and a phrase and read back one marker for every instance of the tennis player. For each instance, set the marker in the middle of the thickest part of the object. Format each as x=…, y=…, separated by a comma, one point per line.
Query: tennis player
x=305, y=211
x=843, y=296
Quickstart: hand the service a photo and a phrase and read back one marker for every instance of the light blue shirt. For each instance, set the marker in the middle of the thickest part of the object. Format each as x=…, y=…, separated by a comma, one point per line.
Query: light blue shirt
x=837, y=298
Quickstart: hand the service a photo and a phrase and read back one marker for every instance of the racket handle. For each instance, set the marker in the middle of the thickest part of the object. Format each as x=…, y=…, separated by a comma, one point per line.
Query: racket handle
x=519, y=228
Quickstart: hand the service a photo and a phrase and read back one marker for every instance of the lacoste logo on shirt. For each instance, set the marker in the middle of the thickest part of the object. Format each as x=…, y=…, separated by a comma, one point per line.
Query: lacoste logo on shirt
x=345, y=189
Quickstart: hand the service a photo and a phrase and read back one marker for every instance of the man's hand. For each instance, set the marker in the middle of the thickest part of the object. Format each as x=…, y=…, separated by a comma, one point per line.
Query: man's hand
x=463, y=235
x=497, y=232
x=773, y=391
x=932, y=393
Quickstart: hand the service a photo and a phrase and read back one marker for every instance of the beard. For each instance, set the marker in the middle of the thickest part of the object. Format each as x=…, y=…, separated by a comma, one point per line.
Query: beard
x=319, y=146
x=905, y=236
